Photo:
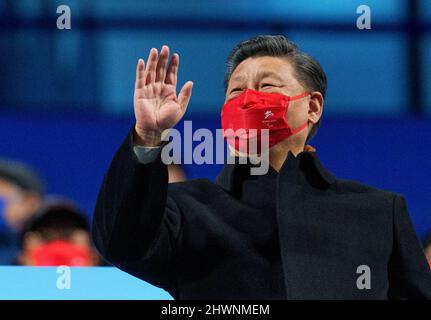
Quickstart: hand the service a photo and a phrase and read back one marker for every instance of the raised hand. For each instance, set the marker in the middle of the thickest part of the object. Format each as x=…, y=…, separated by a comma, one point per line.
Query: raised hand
x=156, y=104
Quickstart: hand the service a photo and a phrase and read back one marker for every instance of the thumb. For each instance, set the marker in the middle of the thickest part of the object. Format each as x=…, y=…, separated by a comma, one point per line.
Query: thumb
x=185, y=94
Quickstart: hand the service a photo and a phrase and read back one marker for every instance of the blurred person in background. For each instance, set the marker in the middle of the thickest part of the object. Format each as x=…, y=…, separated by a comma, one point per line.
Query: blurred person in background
x=21, y=193
x=58, y=234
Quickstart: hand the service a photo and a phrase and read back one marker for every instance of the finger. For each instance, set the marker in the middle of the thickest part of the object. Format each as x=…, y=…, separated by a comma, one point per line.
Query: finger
x=162, y=64
x=150, y=71
x=172, y=72
x=185, y=94
x=140, y=72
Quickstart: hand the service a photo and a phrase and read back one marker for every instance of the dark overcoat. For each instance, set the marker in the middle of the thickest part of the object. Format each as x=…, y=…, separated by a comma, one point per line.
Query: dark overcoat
x=299, y=233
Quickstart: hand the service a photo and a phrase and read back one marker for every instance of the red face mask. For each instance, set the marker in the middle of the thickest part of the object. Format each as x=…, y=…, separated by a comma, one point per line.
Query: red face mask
x=258, y=110
x=58, y=253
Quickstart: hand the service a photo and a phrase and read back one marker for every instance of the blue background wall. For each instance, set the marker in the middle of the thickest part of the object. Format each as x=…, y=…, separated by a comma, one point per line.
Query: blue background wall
x=73, y=153
x=86, y=283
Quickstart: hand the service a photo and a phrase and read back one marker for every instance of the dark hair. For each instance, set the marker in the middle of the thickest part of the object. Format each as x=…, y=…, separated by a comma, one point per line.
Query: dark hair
x=307, y=70
x=57, y=219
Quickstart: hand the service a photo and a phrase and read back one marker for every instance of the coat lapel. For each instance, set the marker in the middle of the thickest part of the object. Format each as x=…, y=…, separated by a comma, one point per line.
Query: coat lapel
x=299, y=178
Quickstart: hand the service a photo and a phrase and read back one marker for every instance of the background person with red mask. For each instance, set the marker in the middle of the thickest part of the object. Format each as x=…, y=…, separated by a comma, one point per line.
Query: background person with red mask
x=297, y=232
x=58, y=234
x=21, y=194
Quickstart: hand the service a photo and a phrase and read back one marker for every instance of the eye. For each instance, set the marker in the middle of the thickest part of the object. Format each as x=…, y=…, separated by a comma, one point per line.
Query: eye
x=267, y=85
x=235, y=90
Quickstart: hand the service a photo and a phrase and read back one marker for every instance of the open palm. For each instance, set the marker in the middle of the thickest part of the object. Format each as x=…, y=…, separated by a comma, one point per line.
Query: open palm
x=156, y=104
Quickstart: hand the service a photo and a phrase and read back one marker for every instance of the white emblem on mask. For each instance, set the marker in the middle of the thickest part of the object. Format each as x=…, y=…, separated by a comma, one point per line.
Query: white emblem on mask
x=268, y=114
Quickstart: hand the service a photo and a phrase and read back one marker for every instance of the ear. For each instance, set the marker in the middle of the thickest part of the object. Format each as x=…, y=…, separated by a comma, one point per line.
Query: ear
x=315, y=107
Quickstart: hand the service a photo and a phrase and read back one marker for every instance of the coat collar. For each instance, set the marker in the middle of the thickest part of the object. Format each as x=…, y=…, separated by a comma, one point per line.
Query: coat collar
x=305, y=168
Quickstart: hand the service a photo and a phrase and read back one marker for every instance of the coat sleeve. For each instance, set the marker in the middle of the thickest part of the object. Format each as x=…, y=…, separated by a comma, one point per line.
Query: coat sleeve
x=409, y=272
x=135, y=223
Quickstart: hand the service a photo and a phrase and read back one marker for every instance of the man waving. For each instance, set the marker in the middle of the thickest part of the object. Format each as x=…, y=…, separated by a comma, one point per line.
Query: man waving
x=296, y=232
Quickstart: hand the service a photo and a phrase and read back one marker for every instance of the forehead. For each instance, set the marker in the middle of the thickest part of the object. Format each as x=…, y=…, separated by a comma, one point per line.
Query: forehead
x=78, y=237
x=259, y=67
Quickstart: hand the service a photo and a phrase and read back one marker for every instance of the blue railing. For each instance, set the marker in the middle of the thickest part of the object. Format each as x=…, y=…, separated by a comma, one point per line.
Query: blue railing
x=76, y=283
